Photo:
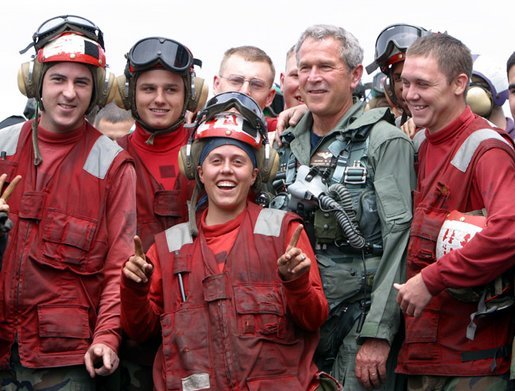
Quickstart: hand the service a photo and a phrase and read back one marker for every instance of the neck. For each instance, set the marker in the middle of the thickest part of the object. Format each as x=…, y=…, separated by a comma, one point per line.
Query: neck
x=497, y=117
x=324, y=124
x=216, y=216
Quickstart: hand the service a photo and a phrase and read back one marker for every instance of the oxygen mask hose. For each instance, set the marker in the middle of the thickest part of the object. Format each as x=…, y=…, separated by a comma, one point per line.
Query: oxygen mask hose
x=339, y=201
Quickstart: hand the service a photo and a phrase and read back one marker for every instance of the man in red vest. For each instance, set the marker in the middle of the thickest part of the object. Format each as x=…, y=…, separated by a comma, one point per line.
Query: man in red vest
x=73, y=215
x=465, y=165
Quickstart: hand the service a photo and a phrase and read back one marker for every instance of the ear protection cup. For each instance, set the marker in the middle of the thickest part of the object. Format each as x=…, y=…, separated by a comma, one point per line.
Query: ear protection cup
x=106, y=88
x=200, y=91
x=480, y=100
x=189, y=155
x=29, y=76
x=267, y=167
x=121, y=97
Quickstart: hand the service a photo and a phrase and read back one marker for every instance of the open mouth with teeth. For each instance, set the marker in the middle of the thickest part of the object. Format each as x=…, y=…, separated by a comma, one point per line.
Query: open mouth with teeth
x=226, y=185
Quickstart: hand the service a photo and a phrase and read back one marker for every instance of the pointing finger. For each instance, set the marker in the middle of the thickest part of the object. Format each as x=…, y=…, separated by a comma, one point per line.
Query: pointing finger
x=138, y=247
x=296, y=236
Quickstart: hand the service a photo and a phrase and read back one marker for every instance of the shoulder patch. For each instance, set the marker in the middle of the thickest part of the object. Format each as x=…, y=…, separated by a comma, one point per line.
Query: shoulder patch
x=269, y=222
x=101, y=156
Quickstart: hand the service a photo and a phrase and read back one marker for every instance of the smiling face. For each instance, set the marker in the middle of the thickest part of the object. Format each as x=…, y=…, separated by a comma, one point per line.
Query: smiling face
x=159, y=98
x=433, y=100
x=290, y=83
x=227, y=174
x=511, y=96
x=66, y=93
x=326, y=83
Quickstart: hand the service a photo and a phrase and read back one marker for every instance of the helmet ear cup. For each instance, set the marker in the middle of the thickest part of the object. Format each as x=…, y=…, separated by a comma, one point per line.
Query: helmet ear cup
x=199, y=93
x=480, y=100
x=267, y=167
x=121, y=97
x=106, y=88
x=188, y=158
x=29, y=78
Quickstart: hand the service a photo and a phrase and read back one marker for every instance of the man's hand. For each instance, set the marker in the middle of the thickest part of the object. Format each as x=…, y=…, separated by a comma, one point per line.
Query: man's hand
x=409, y=128
x=4, y=207
x=100, y=360
x=293, y=263
x=413, y=295
x=137, y=268
x=371, y=362
x=287, y=118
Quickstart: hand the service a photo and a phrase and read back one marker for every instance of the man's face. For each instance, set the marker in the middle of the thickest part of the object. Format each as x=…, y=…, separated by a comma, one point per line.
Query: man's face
x=159, y=97
x=290, y=83
x=511, y=96
x=433, y=101
x=66, y=94
x=397, y=84
x=325, y=81
x=227, y=174
x=252, y=78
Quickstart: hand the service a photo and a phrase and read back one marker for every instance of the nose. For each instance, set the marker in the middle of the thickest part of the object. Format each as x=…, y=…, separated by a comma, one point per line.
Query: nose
x=226, y=166
x=313, y=74
x=160, y=93
x=69, y=90
x=245, y=87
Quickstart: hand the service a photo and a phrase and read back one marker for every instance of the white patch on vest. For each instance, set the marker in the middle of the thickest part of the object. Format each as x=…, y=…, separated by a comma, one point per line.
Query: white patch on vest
x=9, y=138
x=197, y=381
x=454, y=235
x=101, y=156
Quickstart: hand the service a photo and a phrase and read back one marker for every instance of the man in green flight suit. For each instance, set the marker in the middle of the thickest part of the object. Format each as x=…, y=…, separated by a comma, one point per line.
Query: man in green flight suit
x=359, y=221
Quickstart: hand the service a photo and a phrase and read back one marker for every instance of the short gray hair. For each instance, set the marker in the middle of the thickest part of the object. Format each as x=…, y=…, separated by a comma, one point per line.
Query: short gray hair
x=350, y=50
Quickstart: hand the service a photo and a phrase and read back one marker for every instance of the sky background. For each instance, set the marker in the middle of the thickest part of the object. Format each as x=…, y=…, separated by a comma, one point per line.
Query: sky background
x=208, y=28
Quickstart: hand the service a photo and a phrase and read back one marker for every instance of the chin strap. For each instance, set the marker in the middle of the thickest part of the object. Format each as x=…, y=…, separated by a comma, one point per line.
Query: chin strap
x=38, y=159
x=192, y=206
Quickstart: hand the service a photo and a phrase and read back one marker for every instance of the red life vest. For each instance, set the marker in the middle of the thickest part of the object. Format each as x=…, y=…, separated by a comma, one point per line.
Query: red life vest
x=52, y=275
x=436, y=341
x=233, y=330
x=157, y=208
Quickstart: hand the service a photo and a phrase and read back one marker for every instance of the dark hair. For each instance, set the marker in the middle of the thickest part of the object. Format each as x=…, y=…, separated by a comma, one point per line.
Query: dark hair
x=510, y=62
x=452, y=56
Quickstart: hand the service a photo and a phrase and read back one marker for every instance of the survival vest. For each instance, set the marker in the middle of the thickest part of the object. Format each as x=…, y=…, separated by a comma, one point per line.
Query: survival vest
x=52, y=275
x=231, y=330
x=440, y=330
x=157, y=208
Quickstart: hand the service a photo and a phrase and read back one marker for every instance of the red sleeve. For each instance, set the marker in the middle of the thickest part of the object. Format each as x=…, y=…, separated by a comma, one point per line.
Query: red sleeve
x=492, y=251
x=142, y=304
x=121, y=228
x=304, y=296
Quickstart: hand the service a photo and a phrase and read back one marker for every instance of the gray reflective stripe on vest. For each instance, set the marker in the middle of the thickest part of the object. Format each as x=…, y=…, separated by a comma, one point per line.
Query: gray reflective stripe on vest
x=269, y=222
x=419, y=138
x=9, y=138
x=464, y=155
x=177, y=236
x=101, y=156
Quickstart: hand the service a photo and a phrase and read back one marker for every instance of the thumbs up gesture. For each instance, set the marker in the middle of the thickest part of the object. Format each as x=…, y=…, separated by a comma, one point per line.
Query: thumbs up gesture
x=293, y=262
x=137, y=268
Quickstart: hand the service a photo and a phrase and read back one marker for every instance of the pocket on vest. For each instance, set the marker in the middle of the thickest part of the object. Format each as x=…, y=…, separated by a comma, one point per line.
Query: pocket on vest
x=63, y=328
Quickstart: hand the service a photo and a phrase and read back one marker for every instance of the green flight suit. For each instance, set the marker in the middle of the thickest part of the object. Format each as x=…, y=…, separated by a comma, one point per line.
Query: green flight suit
x=390, y=162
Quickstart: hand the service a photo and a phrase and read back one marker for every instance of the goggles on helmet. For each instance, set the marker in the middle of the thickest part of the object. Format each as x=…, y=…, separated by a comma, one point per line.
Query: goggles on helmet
x=59, y=24
x=73, y=48
x=149, y=52
x=399, y=36
x=244, y=104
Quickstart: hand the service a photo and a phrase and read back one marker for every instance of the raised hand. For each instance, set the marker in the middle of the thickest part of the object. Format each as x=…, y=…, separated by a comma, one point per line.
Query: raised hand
x=137, y=268
x=293, y=262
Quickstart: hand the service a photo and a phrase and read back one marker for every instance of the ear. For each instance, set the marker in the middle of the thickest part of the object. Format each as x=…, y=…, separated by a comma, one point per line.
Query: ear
x=200, y=174
x=216, y=84
x=281, y=81
x=461, y=84
x=270, y=97
x=255, y=173
x=356, y=75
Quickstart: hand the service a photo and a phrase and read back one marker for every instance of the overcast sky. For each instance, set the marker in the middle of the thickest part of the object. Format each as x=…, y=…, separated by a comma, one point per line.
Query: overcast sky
x=210, y=27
